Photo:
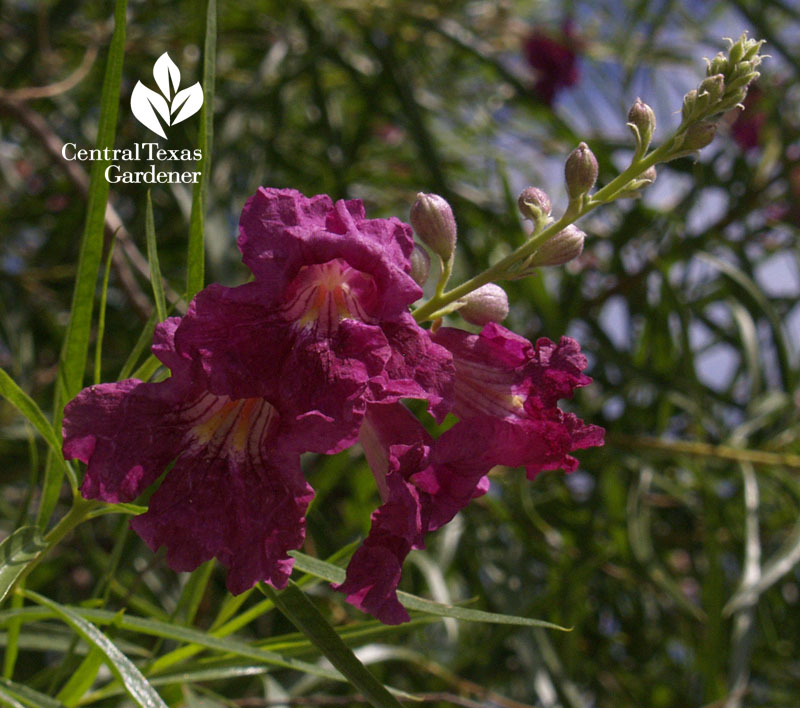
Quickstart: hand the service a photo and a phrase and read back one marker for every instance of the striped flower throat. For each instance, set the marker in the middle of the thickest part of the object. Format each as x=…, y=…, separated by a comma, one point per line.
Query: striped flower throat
x=323, y=294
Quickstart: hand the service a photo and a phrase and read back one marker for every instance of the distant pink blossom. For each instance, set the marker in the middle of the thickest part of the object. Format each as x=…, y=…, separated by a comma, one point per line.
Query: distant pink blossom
x=555, y=60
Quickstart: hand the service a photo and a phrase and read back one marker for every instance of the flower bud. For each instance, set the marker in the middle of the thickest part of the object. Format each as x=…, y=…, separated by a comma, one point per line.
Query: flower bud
x=732, y=100
x=580, y=171
x=489, y=303
x=649, y=176
x=699, y=135
x=434, y=223
x=714, y=86
x=641, y=116
x=566, y=245
x=718, y=65
x=742, y=80
x=689, y=105
x=695, y=138
x=736, y=50
x=534, y=204
x=420, y=265
x=751, y=48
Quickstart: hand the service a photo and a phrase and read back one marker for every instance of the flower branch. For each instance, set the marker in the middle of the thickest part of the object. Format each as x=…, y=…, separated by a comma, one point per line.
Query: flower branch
x=724, y=88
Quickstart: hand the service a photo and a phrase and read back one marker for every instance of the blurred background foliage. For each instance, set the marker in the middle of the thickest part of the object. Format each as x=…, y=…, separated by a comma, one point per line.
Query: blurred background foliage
x=685, y=302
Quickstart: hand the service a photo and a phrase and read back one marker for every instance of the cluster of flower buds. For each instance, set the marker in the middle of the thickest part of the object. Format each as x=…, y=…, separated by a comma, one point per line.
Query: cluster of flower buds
x=432, y=218
x=434, y=224
x=724, y=88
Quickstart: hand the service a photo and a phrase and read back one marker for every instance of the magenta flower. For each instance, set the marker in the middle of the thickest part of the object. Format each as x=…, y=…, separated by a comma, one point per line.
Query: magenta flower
x=503, y=376
x=326, y=318
x=506, y=396
x=235, y=490
x=261, y=373
x=555, y=61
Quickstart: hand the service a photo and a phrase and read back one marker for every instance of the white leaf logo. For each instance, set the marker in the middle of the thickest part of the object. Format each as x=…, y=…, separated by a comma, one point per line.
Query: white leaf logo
x=143, y=103
x=171, y=105
x=187, y=102
x=165, y=73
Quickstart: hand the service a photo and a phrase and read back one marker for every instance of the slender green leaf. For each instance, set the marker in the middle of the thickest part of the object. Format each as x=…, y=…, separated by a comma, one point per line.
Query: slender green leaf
x=18, y=695
x=229, y=607
x=137, y=686
x=152, y=257
x=177, y=633
x=195, y=264
x=145, y=338
x=8, y=699
x=334, y=574
x=779, y=564
x=46, y=636
x=178, y=655
x=82, y=679
x=185, y=677
x=147, y=369
x=101, y=314
x=12, y=639
x=75, y=350
x=27, y=406
x=16, y=551
x=194, y=590
x=355, y=635
x=226, y=624
x=750, y=344
x=294, y=603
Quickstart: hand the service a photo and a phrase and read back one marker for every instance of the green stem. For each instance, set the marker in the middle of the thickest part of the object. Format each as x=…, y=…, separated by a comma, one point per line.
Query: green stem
x=701, y=449
x=441, y=299
x=80, y=512
x=447, y=271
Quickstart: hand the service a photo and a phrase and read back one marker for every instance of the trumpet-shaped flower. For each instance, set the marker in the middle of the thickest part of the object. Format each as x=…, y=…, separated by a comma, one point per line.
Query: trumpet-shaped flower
x=313, y=354
x=326, y=317
x=261, y=373
x=234, y=491
x=506, y=395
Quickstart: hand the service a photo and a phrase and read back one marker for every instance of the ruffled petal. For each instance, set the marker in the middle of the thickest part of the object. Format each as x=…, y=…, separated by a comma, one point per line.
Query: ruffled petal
x=248, y=511
x=271, y=230
x=234, y=492
x=374, y=571
x=423, y=485
x=246, y=349
x=418, y=368
x=282, y=231
x=126, y=433
x=557, y=370
x=513, y=389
